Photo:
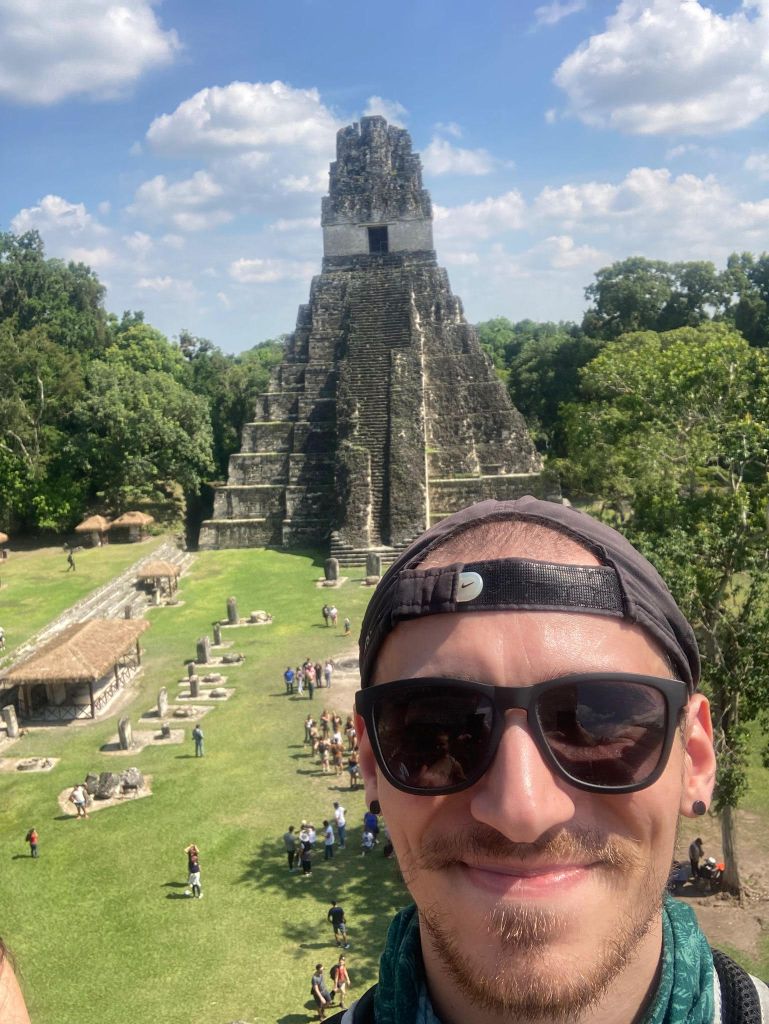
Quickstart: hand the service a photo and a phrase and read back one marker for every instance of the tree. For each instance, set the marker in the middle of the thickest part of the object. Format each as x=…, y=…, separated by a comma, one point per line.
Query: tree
x=672, y=435
x=140, y=430
x=748, y=281
x=638, y=294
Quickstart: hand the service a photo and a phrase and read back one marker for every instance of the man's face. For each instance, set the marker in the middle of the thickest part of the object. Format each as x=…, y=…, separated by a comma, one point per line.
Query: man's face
x=532, y=894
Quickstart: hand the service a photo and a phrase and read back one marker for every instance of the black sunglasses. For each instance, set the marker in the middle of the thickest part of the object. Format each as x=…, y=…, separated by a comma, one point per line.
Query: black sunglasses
x=603, y=732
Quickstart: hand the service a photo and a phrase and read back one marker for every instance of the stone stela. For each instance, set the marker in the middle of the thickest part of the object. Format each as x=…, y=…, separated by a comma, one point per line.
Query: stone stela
x=385, y=414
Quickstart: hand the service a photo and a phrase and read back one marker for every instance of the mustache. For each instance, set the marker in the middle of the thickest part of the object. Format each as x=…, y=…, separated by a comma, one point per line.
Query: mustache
x=581, y=845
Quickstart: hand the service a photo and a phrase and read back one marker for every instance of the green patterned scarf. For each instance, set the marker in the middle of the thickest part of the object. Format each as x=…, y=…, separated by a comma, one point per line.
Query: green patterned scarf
x=684, y=995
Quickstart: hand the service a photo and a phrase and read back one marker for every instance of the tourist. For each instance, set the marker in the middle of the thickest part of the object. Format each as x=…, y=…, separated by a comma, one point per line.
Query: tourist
x=70, y=560
x=79, y=797
x=288, y=679
x=347, y=626
x=328, y=841
x=289, y=841
x=353, y=769
x=325, y=722
x=325, y=612
x=323, y=754
x=318, y=674
x=337, y=757
x=308, y=724
x=309, y=675
x=12, y=1007
x=349, y=731
x=366, y=842
x=32, y=838
x=341, y=979
x=572, y=708
x=341, y=823
x=695, y=856
x=312, y=835
x=333, y=614
x=371, y=824
x=338, y=921
x=328, y=671
x=193, y=880
x=319, y=992
x=300, y=682
x=197, y=737
x=193, y=853
x=305, y=859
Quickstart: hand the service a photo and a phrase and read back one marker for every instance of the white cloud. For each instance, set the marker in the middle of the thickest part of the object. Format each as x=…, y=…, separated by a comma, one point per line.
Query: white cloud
x=254, y=116
x=139, y=244
x=171, y=288
x=449, y=128
x=98, y=258
x=551, y=115
x=54, y=214
x=268, y=271
x=482, y=219
x=672, y=66
x=189, y=205
x=563, y=253
x=758, y=164
x=296, y=224
x=551, y=14
x=51, y=51
x=440, y=157
x=391, y=110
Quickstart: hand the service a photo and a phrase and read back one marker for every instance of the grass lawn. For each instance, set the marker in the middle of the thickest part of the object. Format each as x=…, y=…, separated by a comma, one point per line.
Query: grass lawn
x=99, y=923
x=35, y=586
x=100, y=926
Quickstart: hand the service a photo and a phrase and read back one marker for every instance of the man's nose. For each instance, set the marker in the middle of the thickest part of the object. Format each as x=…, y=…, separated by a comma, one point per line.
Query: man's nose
x=519, y=795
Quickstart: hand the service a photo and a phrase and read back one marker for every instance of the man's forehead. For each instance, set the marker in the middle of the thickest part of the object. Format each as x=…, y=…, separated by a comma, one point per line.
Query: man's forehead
x=516, y=647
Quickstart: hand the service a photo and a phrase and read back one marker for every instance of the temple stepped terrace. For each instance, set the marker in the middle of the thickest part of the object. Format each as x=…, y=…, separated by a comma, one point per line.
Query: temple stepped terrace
x=385, y=414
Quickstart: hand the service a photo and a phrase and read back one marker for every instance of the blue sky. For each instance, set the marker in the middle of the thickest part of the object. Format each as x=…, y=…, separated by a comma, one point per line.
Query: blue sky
x=182, y=148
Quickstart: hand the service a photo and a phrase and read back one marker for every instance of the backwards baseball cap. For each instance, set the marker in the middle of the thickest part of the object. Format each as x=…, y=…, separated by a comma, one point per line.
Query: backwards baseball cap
x=624, y=585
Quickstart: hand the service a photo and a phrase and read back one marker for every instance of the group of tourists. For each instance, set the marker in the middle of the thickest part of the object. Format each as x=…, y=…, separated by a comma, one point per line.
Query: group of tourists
x=300, y=846
x=308, y=677
x=334, y=746
x=330, y=615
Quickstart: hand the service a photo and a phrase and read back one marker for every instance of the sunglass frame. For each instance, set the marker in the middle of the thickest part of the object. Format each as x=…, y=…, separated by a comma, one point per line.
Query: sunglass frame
x=524, y=698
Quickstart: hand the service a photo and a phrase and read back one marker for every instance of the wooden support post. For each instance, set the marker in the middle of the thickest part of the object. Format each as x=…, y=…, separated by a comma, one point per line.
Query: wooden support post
x=138, y=651
x=93, y=705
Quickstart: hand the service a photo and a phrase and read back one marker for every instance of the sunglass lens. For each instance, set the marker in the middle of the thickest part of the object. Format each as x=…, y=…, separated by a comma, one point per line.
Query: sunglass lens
x=605, y=734
x=431, y=738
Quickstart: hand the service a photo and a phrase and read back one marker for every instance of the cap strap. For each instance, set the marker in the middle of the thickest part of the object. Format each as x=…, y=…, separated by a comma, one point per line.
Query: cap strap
x=508, y=583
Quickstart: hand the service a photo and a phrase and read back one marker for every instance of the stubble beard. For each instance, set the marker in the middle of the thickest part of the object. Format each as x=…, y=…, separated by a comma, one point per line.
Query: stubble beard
x=524, y=977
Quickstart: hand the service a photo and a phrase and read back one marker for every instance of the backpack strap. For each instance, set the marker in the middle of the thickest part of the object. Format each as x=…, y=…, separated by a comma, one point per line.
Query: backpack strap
x=744, y=999
x=361, y=1011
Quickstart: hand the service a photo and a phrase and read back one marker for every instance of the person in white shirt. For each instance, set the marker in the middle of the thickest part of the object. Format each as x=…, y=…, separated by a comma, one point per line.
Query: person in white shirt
x=341, y=823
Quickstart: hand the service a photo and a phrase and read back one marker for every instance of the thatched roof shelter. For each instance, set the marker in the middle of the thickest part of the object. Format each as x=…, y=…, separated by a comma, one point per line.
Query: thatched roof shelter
x=133, y=519
x=157, y=569
x=93, y=524
x=82, y=653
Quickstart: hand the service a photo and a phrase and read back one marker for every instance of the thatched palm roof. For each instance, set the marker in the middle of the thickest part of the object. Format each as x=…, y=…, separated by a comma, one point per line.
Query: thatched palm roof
x=3, y=538
x=153, y=570
x=133, y=519
x=81, y=653
x=93, y=524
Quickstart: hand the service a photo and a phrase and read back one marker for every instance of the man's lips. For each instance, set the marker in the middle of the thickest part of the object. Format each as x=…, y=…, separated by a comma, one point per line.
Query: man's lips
x=543, y=879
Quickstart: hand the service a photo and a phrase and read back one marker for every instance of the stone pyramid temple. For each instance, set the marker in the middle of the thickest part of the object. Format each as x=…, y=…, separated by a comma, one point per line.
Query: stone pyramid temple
x=385, y=414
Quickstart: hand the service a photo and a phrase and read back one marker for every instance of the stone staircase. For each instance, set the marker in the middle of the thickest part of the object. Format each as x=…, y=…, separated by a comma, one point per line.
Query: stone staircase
x=379, y=323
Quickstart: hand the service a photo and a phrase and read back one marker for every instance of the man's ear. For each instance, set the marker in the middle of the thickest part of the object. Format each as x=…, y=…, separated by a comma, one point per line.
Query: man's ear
x=366, y=760
x=699, y=756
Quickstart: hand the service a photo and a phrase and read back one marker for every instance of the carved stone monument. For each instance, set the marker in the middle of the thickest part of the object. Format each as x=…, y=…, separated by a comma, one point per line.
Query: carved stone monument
x=373, y=563
x=194, y=686
x=204, y=651
x=385, y=414
x=217, y=635
x=11, y=721
x=331, y=569
x=190, y=669
x=125, y=733
x=162, y=702
x=232, y=611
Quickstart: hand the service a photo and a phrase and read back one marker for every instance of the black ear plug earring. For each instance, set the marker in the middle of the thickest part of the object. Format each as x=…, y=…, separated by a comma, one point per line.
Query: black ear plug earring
x=376, y=809
x=699, y=807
